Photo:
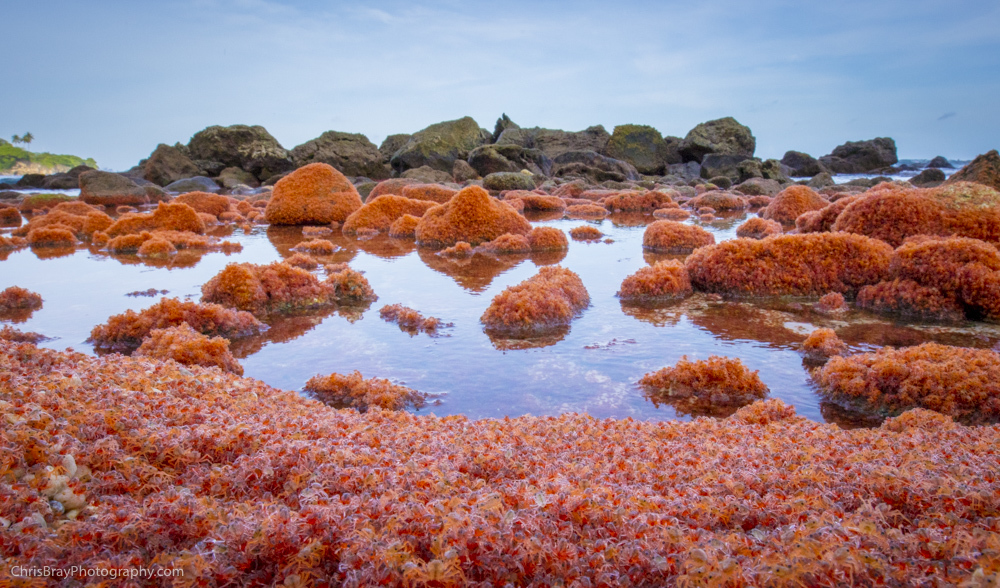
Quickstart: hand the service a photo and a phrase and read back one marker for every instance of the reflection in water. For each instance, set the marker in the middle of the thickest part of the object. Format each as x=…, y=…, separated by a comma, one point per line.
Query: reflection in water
x=537, y=216
x=691, y=407
x=53, y=252
x=290, y=326
x=652, y=257
x=504, y=342
x=735, y=321
x=847, y=418
x=182, y=259
x=474, y=273
x=631, y=219
x=386, y=247
x=284, y=238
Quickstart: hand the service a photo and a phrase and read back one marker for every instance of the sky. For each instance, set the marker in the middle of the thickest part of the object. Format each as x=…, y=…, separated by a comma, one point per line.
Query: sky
x=111, y=80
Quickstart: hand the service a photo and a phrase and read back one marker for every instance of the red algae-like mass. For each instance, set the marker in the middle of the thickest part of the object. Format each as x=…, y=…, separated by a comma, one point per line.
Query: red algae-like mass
x=823, y=219
x=547, y=239
x=551, y=298
x=801, y=265
x=316, y=247
x=234, y=481
x=381, y=212
x=791, y=202
x=124, y=332
x=674, y=214
x=314, y=194
x=353, y=391
x=18, y=298
x=262, y=289
x=189, y=347
x=632, y=201
x=429, y=192
x=213, y=204
x=404, y=227
x=409, y=320
x=664, y=280
x=348, y=286
x=10, y=217
x=458, y=250
x=960, y=382
x=53, y=236
x=157, y=247
x=394, y=186
x=302, y=260
x=472, y=216
x=719, y=201
x=585, y=233
x=823, y=343
x=832, y=303
x=506, y=244
x=704, y=385
x=908, y=299
x=586, y=211
x=168, y=216
x=535, y=201
x=673, y=237
x=9, y=333
x=758, y=228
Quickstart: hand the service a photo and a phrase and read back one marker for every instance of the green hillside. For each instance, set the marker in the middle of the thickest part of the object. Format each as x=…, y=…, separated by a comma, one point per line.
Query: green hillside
x=11, y=156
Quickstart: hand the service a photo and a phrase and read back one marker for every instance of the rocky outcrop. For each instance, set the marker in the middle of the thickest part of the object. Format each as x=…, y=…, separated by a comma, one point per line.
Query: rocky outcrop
x=392, y=144
x=427, y=175
x=108, y=189
x=593, y=166
x=236, y=176
x=717, y=164
x=940, y=162
x=490, y=159
x=803, y=165
x=168, y=164
x=858, y=157
x=439, y=145
x=553, y=143
x=315, y=194
x=501, y=181
x=724, y=136
x=984, y=169
x=65, y=181
x=929, y=177
x=643, y=147
x=249, y=147
x=195, y=184
x=503, y=123
x=350, y=153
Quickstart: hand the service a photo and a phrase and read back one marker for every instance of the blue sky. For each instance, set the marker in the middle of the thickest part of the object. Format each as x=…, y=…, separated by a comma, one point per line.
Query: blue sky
x=110, y=80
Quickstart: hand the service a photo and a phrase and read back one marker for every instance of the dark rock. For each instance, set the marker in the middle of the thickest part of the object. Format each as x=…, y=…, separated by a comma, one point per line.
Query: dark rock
x=863, y=156
x=722, y=182
x=503, y=123
x=984, y=169
x=593, y=166
x=392, y=144
x=553, y=143
x=685, y=171
x=671, y=150
x=210, y=168
x=724, y=136
x=352, y=154
x=462, y=171
x=930, y=175
x=640, y=145
x=490, y=159
x=501, y=181
x=108, y=189
x=274, y=179
x=365, y=188
x=439, y=145
x=717, y=164
x=65, y=181
x=31, y=181
x=748, y=169
x=758, y=187
x=803, y=165
x=195, y=184
x=9, y=194
x=249, y=147
x=772, y=169
x=168, y=164
x=821, y=180
x=235, y=176
x=940, y=162
x=838, y=165
x=427, y=175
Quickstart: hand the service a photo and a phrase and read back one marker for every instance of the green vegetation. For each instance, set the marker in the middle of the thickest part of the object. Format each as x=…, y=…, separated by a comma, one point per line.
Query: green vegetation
x=11, y=156
x=27, y=138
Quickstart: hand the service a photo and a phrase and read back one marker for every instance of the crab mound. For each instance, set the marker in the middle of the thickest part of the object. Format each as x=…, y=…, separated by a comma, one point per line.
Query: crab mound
x=664, y=280
x=168, y=216
x=378, y=214
x=189, y=347
x=704, y=385
x=314, y=194
x=667, y=236
x=263, y=289
x=472, y=216
x=791, y=202
x=798, y=265
x=550, y=299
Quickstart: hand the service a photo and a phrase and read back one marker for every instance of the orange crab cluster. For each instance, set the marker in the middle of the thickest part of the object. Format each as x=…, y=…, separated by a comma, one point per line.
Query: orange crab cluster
x=316, y=247
x=157, y=247
x=719, y=201
x=803, y=265
x=832, y=303
x=756, y=227
x=823, y=219
x=585, y=233
x=404, y=227
x=349, y=286
x=473, y=216
x=960, y=382
x=674, y=214
x=9, y=333
x=666, y=236
x=534, y=201
x=409, y=320
x=664, y=280
x=378, y=214
x=126, y=331
x=78, y=219
x=51, y=237
x=429, y=192
x=213, y=204
x=636, y=201
x=263, y=289
x=792, y=202
x=302, y=260
x=313, y=194
x=353, y=391
x=704, y=386
x=908, y=299
x=549, y=299
x=168, y=216
x=9, y=216
x=586, y=211
x=18, y=300
x=133, y=462
x=822, y=344
x=189, y=347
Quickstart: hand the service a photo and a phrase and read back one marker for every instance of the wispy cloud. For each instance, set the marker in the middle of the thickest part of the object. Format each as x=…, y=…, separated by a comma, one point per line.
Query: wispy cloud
x=946, y=115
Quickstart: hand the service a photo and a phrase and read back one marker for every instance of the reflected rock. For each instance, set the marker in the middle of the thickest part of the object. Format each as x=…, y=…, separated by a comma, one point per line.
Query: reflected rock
x=476, y=272
x=502, y=341
x=285, y=238
x=386, y=246
x=849, y=418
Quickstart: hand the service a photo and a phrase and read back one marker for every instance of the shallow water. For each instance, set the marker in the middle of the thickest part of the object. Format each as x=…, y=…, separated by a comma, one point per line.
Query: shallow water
x=592, y=367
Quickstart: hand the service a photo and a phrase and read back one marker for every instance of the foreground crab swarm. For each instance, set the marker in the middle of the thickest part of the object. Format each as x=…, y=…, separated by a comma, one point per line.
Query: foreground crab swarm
x=244, y=484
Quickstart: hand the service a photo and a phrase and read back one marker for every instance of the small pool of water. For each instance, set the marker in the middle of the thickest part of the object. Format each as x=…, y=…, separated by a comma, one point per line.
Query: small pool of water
x=590, y=368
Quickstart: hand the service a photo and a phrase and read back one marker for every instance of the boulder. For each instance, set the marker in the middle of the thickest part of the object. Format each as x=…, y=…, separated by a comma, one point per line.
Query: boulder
x=501, y=181
x=940, y=162
x=209, y=168
x=236, y=176
x=109, y=189
x=462, y=171
x=640, y=145
x=427, y=175
x=65, y=181
x=722, y=182
x=503, y=123
x=350, y=153
x=593, y=166
x=803, y=165
x=553, y=142
x=249, y=147
x=195, y=184
x=984, y=169
x=439, y=145
x=758, y=187
x=862, y=156
x=31, y=181
x=316, y=194
x=717, y=164
x=748, y=169
x=724, y=136
x=930, y=176
x=490, y=159
x=772, y=169
x=392, y=144
x=821, y=180
x=168, y=164
x=685, y=171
